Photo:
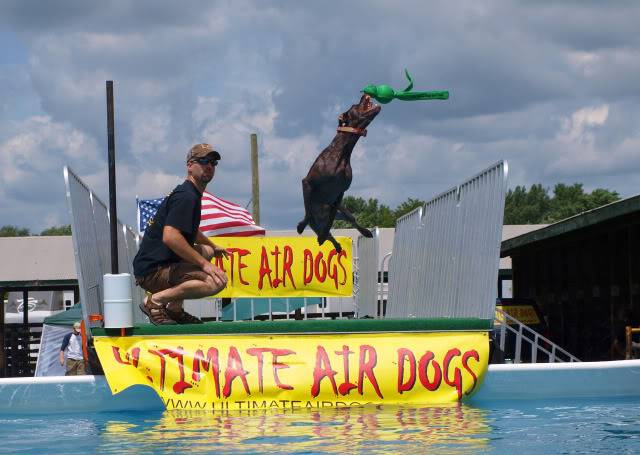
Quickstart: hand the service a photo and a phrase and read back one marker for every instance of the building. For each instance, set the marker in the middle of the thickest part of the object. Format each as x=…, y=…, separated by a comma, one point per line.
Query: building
x=584, y=273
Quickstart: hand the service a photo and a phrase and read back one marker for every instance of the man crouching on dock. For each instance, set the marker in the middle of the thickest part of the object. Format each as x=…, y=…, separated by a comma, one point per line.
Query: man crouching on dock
x=174, y=259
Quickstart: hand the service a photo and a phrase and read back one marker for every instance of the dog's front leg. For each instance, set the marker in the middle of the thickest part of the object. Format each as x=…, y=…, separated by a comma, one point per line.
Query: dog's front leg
x=348, y=216
x=306, y=196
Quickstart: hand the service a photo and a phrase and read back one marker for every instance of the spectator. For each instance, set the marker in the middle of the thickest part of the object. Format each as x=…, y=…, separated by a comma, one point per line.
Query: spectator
x=72, y=343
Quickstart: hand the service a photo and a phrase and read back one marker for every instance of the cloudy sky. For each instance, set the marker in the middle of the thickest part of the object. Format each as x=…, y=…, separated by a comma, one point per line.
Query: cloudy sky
x=552, y=87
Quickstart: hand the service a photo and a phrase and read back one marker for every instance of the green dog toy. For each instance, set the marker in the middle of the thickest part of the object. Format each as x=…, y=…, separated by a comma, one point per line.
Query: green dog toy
x=385, y=94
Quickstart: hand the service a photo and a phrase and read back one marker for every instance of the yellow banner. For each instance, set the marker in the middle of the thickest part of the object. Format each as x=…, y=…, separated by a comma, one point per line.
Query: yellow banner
x=285, y=267
x=298, y=371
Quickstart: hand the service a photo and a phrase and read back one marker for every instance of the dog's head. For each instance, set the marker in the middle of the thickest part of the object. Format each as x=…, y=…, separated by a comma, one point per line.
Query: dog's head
x=361, y=114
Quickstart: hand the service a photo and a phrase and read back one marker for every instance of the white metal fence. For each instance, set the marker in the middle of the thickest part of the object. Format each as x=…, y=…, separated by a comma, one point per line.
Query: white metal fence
x=367, y=296
x=446, y=253
x=92, y=247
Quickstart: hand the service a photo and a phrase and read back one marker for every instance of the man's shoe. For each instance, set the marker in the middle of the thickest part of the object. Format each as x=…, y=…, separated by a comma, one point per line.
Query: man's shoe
x=156, y=312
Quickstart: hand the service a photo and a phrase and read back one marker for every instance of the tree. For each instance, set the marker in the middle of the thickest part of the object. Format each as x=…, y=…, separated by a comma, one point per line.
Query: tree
x=526, y=207
x=535, y=206
x=371, y=213
x=13, y=231
x=407, y=206
x=57, y=230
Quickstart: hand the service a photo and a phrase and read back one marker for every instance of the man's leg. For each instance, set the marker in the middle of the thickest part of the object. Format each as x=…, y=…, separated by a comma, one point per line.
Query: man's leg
x=189, y=282
x=176, y=307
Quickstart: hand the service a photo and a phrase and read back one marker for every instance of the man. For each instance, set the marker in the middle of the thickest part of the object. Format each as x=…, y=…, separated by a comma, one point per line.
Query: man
x=174, y=259
x=72, y=343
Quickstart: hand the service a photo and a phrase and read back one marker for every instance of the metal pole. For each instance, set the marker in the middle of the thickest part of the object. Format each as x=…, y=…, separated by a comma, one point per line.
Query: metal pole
x=3, y=372
x=113, y=216
x=255, y=182
x=25, y=309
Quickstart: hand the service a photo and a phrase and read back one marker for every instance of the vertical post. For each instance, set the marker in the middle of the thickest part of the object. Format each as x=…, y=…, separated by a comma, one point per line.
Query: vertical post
x=3, y=373
x=25, y=309
x=113, y=216
x=255, y=182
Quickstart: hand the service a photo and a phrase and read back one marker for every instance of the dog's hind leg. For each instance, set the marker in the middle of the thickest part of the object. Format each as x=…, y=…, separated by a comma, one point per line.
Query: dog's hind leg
x=306, y=196
x=348, y=216
x=335, y=243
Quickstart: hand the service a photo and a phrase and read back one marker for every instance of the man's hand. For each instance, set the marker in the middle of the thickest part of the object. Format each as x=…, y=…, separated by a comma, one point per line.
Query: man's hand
x=219, y=251
x=219, y=277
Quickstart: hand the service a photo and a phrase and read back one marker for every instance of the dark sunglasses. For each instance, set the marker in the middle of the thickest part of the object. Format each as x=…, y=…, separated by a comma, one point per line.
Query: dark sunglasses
x=205, y=161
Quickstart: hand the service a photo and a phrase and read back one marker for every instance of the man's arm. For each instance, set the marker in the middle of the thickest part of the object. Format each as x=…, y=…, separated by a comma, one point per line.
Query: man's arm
x=218, y=251
x=65, y=343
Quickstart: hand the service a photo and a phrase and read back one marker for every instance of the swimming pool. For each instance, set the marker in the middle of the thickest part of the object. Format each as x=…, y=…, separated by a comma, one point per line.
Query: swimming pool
x=584, y=426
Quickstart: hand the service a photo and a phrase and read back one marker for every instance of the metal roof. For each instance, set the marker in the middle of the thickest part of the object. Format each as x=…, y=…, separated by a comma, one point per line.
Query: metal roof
x=574, y=223
x=36, y=259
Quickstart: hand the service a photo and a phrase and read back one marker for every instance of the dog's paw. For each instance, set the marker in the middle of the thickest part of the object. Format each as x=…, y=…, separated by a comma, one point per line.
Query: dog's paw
x=301, y=225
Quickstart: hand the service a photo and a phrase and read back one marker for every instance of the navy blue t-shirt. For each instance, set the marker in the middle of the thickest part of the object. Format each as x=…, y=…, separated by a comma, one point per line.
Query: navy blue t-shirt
x=181, y=210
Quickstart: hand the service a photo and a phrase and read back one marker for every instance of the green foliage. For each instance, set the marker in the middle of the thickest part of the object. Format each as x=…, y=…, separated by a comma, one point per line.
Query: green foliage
x=13, y=231
x=57, y=230
x=371, y=213
x=535, y=206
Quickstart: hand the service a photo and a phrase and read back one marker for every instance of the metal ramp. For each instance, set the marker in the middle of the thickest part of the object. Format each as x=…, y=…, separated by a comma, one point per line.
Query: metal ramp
x=446, y=253
x=518, y=343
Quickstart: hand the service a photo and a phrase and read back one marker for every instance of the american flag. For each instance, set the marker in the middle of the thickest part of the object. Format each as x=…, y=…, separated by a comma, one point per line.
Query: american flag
x=217, y=218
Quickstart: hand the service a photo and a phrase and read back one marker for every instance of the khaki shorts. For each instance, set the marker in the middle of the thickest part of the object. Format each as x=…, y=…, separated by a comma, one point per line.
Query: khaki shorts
x=75, y=367
x=170, y=275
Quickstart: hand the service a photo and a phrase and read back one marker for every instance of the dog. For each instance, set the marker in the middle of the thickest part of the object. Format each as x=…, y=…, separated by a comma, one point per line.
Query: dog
x=330, y=175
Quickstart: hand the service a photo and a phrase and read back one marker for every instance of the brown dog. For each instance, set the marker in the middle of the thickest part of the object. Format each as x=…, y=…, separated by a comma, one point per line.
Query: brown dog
x=330, y=175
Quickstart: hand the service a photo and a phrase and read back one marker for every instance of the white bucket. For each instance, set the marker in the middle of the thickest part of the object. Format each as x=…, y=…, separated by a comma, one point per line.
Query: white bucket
x=118, y=304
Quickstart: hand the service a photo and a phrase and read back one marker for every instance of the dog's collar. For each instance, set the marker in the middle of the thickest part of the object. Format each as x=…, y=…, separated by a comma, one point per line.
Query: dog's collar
x=349, y=129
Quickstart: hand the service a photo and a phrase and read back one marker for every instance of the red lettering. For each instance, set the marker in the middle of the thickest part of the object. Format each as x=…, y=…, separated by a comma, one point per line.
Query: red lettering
x=258, y=352
x=128, y=359
x=163, y=363
x=322, y=370
x=180, y=386
x=424, y=375
x=241, y=265
x=264, y=268
x=342, y=254
x=457, y=374
x=346, y=386
x=465, y=360
x=211, y=361
x=220, y=264
x=308, y=267
x=332, y=272
x=286, y=266
x=234, y=370
x=276, y=254
x=406, y=354
x=366, y=367
x=320, y=276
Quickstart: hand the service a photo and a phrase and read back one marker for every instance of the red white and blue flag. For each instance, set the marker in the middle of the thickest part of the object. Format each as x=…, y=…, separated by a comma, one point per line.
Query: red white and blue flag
x=218, y=218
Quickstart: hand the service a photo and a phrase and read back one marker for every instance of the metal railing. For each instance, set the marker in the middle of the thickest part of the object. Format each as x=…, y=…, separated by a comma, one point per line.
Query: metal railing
x=519, y=343
x=366, y=297
x=446, y=253
x=92, y=247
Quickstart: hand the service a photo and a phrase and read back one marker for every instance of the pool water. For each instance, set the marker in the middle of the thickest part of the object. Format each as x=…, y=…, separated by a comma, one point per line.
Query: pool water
x=595, y=426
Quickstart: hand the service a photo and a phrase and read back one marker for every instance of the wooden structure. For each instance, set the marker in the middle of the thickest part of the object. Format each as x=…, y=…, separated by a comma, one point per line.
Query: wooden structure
x=584, y=273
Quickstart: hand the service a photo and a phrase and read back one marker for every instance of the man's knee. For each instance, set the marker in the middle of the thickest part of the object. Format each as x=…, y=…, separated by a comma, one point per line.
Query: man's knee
x=215, y=286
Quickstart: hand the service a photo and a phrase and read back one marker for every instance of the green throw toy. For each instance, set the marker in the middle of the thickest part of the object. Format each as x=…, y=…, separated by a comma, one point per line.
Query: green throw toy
x=385, y=94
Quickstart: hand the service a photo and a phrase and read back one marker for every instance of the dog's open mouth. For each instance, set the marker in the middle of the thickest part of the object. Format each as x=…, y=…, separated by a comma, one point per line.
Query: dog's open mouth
x=368, y=104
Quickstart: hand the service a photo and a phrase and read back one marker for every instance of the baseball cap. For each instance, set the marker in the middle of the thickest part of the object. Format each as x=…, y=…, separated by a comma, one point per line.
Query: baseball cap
x=201, y=151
